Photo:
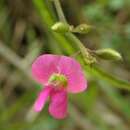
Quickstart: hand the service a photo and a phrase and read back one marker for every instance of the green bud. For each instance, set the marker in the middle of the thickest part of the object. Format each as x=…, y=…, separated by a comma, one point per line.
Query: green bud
x=108, y=54
x=61, y=27
x=82, y=28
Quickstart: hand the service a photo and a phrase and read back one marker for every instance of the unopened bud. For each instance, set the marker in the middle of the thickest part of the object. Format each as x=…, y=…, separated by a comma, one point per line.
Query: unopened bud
x=108, y=54
x=82, y=28
x=61, y=27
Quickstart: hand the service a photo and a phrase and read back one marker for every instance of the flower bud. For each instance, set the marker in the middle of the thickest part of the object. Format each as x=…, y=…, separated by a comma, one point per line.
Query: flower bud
x=61, y=27
x=108, y=54
x=82, y=28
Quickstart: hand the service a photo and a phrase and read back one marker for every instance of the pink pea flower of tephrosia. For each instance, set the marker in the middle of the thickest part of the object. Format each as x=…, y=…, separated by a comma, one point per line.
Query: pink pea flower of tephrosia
x=59, y=75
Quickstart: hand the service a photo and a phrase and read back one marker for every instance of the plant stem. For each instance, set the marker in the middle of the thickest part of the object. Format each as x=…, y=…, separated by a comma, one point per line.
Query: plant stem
x=69, y=42
x=84, y=51
x=60, y=11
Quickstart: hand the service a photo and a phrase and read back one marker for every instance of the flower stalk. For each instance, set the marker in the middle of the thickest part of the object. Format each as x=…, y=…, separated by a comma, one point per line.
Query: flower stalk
x=59, y=11
x=69, y=43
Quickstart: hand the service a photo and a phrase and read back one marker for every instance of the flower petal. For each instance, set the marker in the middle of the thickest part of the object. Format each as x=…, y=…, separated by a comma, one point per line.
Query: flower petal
x=44, y=66
x=72, y=69
x=58, y=104
x=41, y=100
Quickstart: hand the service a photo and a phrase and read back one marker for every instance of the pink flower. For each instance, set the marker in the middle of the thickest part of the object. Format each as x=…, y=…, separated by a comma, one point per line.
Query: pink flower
x=59, y=75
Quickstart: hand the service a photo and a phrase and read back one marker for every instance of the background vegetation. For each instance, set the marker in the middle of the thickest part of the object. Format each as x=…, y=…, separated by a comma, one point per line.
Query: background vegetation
x=25, y=33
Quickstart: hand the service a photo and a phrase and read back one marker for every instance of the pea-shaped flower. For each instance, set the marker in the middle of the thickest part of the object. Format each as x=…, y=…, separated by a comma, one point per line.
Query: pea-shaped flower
x=59, y=75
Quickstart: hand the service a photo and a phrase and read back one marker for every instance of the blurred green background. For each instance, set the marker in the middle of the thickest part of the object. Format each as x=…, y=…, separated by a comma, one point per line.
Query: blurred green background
x=25, y=34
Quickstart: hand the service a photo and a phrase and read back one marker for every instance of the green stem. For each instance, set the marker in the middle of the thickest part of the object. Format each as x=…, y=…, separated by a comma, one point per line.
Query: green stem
x=100, y=74
x=60, y=11
x=88, y=58
x=85, y=53
x=69, y=41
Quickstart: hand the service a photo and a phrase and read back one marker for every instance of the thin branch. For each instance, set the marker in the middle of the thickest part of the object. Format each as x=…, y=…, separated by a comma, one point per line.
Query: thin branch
x=59, y=11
